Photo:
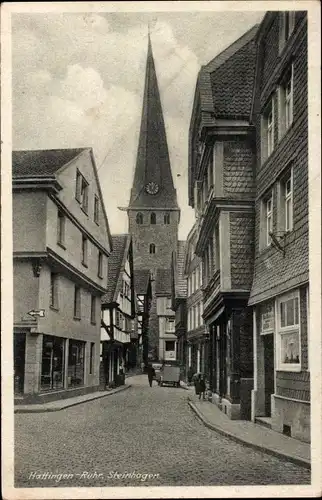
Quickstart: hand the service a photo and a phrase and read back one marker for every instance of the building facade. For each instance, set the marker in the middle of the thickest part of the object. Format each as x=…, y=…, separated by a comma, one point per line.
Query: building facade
x=222, y=191
x=280, y=290
x=143, y=290
x=197, y=339
x=61, y=245
x=118, y=312
x=179, y=303
x=166, y=316
x=153, y=211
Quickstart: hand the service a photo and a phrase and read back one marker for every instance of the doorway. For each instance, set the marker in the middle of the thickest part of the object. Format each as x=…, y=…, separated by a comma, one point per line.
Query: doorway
x=19, y=362
x=269, y=371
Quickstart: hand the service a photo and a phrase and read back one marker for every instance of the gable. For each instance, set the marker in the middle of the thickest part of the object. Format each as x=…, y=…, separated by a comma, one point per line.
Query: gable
x=84, y=163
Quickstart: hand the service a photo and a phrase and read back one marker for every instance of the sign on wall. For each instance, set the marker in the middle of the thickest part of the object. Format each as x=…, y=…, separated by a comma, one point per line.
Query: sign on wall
x=267, y=318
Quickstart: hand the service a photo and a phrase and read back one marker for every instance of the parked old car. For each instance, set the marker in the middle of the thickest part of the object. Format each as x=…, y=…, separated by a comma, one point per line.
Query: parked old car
x=157, y=368
x=170, y=374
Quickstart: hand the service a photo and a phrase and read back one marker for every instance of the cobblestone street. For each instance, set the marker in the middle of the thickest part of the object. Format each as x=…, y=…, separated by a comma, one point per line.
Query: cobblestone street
x=144, y=431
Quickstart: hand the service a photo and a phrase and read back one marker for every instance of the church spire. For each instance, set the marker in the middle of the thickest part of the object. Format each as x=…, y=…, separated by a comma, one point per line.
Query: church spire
x=153, y=183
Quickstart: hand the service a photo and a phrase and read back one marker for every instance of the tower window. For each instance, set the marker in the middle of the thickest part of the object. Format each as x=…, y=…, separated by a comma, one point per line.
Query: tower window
x=139, y=218
x=152, y=248
x=167, y=218
x=153, y=218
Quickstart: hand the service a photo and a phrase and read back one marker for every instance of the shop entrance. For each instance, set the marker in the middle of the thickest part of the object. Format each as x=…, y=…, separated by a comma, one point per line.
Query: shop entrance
x=19, y=362
x=269, y=371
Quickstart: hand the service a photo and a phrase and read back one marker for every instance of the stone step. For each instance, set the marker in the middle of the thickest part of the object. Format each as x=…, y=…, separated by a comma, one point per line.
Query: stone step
x=264, y=421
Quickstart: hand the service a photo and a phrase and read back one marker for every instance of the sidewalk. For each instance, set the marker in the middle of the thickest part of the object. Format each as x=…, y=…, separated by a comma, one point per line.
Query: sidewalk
x=61, y=404
x=253, y=435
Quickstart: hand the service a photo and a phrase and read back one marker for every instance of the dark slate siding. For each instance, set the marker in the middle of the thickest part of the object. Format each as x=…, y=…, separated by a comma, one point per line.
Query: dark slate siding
x=274, y=273
x=241, y=250
x=246, y=343
x=232, y=83
x=238, y=169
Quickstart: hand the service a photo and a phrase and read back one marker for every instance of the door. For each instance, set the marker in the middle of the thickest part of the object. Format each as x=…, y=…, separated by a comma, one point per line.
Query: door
x=19, y=362
x=269, y=371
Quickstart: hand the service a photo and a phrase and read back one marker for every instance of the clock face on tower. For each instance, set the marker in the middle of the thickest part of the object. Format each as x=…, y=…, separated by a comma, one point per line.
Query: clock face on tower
x=152, y=188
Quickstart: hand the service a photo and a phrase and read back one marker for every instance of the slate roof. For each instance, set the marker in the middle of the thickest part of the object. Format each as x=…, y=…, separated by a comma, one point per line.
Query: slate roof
x=41, y=162
x=163, y=282
x=141, y=281
x=115, y=267
x=180, y=281
x=152, y=161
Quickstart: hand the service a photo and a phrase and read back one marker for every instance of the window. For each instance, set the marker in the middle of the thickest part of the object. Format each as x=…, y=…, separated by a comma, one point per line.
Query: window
x=167, y=218
x=84, y=250
x=76, y=363
x=170, y=345
x=152, y=248
x=77, y=302
x=100, y=265
x=285, y=95
x=269, y=219
x=287, y=24
x=93, y=309
x=288, y=202
x=91, y=357
x=61, y=228
x=288, y=349
x=53, y=300
x=82, y=191
x=153, y=218
x=267, y=130
x=217, y=247
x=139, y=218
x=52, y=363
x=266, y=220
x=96, y=209
x=170, y=326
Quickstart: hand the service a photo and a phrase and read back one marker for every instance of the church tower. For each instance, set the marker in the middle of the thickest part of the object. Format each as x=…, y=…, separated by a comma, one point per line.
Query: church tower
x=153, y=210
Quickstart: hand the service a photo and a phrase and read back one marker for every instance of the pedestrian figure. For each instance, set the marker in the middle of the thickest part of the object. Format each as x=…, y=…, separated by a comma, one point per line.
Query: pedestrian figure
x=190, y=375
x=195, y=380
x=202, y=386
x=151, y=373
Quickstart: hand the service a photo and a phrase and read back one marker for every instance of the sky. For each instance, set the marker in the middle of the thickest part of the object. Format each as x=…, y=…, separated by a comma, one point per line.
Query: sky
x=78, y=81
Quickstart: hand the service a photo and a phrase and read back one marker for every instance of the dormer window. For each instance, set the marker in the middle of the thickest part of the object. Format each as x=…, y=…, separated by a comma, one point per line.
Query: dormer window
x=153, y=218
x=139, y=218
x=287, y=25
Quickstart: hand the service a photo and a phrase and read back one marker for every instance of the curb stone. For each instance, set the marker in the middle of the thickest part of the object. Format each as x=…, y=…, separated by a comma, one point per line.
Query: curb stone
x=68, y=405
x=296, y=460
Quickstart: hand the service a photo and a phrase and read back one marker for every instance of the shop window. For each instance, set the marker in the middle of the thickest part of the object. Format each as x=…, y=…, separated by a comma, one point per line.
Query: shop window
x=96, y=209
x=139, y=218
x=53, y=298
x=84, y=250
x=93, y=310
x=100, y=265
x=288, y=339
x=91, y=358
x=152, y=248
x=77, y=302
x=267, y=130
x=82, y=191
x=61, y=223
x=153, y=218
x=53, y=363
x=76, y=363
x=170, y=345
x=167, y=218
